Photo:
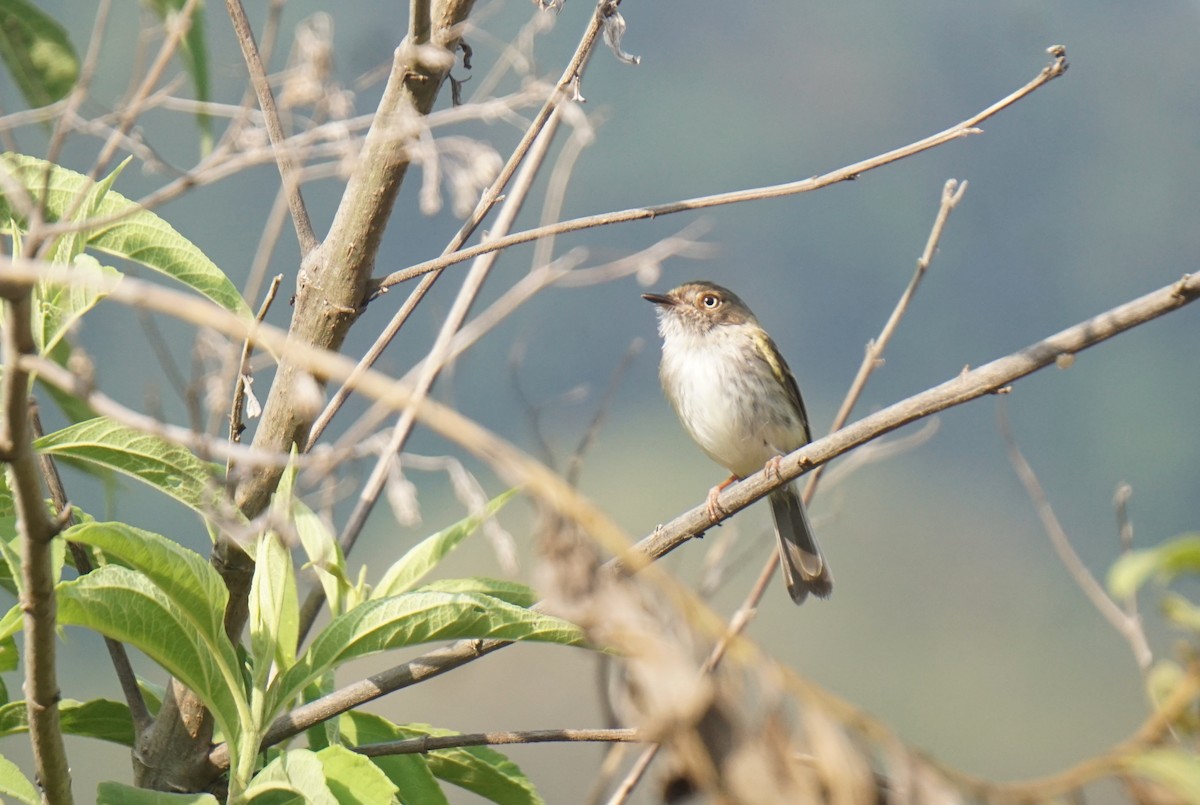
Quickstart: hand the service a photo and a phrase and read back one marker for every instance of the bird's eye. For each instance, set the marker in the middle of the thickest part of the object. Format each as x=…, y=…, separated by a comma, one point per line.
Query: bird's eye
x=710, y=301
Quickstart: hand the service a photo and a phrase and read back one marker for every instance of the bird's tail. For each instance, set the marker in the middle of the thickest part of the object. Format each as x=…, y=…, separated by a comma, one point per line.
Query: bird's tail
x=804, y=568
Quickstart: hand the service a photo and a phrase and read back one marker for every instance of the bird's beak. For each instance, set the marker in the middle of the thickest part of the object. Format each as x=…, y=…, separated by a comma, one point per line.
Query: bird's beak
x=659, y=299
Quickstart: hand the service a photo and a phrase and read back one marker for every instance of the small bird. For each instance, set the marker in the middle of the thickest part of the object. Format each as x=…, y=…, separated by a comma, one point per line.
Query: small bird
x=738, y=400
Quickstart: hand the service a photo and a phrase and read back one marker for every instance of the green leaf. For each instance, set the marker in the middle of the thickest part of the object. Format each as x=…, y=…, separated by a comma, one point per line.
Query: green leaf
x=99, y=718
x=410, y=773
x=1175, y=769
x=325, y=556
x=70, y=245
x=59, y=307
x=137, y=234
x=479, y=769
x=11, y=623
x=169, y=468
x=1181, y=611
x=274, y=609
x=185, y=576
x=127, y=606
x=194, y=55
x=410, y=568
x=297, y=772
x=512, y=592
x=9, y=657
x=37, y=52
x=111, y=793
x=1131, y=571
x=11, y=550
x=16, y=785
x=412, y=618
x=73, y=408
x=354, y=779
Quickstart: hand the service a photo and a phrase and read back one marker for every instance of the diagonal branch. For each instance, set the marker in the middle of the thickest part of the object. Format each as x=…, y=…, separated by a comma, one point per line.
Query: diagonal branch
x=849, y=172
x=432, y=743
x=988, y=379
x=288, y=171
x=1128, y=625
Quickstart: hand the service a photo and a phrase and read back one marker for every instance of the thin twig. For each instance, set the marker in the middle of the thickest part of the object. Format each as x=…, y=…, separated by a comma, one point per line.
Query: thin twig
x=266, y=102
x=237, y=407
x=132, y=108
x=432, y=366
x=245, y=456
x=570, y=77
x=432, y=743
x=83, y=85
x=963, y=129
x=1125, y=536
x=635, y=775
x=1153, y=731
x=1129, y=627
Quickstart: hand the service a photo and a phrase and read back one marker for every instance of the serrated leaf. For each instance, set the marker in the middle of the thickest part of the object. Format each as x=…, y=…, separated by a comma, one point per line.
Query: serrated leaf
x=15, y=785
x=1168, y=560
x=354, y=779
x=127, y=606
x=101, y=719
x=412, y=618
x=137, y=234
x=479, y=769
x=167, y=467
x=424, y=557
x=1175, y=769
x=297, y=771
x=112, y=793
x=194, y=55
x=512, y=592
x=37, y=53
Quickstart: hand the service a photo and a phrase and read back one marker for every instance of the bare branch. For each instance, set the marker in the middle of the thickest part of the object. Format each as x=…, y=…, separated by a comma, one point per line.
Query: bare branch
x=569, y=78
x=432, y=743
x=266, y=102
x=1128, y=626
x=963, y=129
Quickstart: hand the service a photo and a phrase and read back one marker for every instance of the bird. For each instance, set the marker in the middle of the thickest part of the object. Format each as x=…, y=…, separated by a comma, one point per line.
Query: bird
x=738, y=400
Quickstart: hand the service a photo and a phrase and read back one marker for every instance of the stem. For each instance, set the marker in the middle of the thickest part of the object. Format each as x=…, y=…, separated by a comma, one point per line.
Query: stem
x=36, y=531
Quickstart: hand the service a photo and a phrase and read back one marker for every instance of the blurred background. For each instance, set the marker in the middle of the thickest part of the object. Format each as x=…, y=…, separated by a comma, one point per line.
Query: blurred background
x=952, y=620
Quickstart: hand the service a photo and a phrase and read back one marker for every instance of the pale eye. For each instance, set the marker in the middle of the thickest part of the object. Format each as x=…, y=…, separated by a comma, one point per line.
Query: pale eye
x=710, y=301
